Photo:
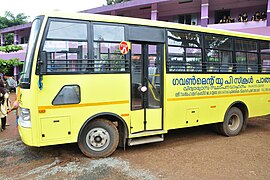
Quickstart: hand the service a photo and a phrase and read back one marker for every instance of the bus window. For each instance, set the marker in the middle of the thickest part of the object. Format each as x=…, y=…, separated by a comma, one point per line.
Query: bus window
x=66, y=46
x=218, y=53
x=265, y=56
x=246, y=56
x=184, y=52
x=107, y=56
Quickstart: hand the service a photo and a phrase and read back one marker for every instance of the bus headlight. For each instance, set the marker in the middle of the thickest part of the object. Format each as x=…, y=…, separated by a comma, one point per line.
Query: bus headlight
x=25, y=117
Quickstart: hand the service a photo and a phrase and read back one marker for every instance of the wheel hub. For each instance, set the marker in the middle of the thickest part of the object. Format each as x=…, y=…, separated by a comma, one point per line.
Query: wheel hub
x=98, y=139
x=234, y=122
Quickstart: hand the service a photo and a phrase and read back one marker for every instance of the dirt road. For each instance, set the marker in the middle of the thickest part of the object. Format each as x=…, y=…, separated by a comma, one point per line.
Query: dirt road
x=193, y=153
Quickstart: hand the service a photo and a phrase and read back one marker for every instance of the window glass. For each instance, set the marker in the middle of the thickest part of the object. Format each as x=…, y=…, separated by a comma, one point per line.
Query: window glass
x=241, y=62
x=108, y=58
x=176, y=61
x=218, y=42
x=194, y=59
x=68, y=95
x=219, y=61
x=67, y=30
x=245, y=45
x=108, y=33
x=265, y=58
x=184, y=39
x=66, y=56
x=252, y=61
x=265, y=47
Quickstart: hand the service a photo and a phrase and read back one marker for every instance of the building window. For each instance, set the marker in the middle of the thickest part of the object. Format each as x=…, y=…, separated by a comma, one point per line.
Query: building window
x=190, y=19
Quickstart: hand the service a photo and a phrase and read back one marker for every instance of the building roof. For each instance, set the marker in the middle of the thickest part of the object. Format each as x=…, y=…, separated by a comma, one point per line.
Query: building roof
x=123, y=5
x=15, y=28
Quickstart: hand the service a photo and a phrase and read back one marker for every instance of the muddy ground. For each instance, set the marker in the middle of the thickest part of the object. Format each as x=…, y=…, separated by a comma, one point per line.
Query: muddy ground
x=192, y=153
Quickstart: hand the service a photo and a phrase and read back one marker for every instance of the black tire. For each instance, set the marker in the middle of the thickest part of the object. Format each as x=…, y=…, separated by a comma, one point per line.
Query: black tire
x=99, y=138
x=233, y=122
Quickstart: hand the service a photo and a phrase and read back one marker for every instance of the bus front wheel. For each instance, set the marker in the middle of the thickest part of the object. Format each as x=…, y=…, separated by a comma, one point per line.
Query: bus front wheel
x=99, y=138
x=233, y=122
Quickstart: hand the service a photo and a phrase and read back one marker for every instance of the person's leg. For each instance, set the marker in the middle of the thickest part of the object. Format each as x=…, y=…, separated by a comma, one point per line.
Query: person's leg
x=3, y=122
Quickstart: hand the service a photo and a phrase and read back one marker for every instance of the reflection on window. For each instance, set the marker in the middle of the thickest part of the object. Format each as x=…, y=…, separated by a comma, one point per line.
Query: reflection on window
x=67, y=30
x=66, y=56
x=184, y=52
x=246, y=56
x=107, y=56
x=66, y=47
x=218, y=42
x=184, y=39
x=108, y=33
x=219, y=61
x=69, y=94
x=265, y=56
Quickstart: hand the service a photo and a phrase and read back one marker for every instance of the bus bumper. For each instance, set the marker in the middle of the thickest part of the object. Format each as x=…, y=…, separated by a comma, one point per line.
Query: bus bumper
x=26, y=135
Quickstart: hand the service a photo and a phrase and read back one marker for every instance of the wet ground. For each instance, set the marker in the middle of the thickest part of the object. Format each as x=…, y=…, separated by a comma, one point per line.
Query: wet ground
x=192, y=153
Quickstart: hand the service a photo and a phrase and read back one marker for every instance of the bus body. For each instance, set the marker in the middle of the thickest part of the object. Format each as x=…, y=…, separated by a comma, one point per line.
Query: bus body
x=78, y=86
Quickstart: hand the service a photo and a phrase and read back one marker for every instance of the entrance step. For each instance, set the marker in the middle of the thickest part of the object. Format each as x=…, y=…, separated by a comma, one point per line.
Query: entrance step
x=145, y=140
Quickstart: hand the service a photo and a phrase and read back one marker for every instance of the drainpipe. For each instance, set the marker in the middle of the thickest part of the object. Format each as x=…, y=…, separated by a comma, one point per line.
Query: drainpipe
x=204, y=13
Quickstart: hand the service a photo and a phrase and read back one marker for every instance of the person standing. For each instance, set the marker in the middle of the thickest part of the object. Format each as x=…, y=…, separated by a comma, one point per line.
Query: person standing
x=4, y=105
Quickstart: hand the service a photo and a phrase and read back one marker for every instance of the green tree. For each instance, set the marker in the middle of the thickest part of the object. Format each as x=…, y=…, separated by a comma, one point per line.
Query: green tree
x=9, y=20
x=5, y=65
x=110, y=2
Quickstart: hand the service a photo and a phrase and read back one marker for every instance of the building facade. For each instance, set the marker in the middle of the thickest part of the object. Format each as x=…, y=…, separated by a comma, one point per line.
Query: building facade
x=218, y=14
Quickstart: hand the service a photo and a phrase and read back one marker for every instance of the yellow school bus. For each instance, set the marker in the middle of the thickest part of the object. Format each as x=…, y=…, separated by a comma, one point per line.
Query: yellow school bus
x=107, y=81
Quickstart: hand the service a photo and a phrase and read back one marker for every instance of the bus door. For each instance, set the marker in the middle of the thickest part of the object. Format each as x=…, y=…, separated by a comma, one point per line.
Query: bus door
x=146, y=89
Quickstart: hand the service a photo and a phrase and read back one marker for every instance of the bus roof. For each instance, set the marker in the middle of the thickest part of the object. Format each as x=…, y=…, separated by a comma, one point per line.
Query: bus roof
x=147, y=22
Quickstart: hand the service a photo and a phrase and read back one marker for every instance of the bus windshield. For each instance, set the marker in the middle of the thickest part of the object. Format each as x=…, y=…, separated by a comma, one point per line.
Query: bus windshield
x=25, y=82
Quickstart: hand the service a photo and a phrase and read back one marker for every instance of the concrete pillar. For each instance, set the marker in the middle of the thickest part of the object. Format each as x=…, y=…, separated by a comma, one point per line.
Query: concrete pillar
x=154, y=11
x=16, y=38
x=204, y=13
x=268, y=13
x=2, y=40
x=16, y=72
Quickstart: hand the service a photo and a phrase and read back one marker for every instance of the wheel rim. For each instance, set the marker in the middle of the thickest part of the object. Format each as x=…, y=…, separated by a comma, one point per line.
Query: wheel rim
x=98, y=139
x=234, y=122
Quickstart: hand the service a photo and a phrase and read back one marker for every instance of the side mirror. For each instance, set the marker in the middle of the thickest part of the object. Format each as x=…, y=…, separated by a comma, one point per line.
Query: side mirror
x=43, y=63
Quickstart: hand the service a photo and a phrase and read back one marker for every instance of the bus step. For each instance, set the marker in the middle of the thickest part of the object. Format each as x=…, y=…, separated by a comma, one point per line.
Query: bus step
x=145, y=140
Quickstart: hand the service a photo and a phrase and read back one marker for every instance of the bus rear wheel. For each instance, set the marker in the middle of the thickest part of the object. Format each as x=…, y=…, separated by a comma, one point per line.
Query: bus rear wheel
x=99, y=138
x=233, y=122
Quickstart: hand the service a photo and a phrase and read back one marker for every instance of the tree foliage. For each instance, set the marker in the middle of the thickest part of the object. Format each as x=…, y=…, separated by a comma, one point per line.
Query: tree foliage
x=9, y=20
x=110, y=2
x=10, y=48
x=5, y=65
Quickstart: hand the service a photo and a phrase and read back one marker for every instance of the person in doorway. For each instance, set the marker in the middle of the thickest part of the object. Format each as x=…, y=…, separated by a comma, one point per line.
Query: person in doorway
x=4, y=105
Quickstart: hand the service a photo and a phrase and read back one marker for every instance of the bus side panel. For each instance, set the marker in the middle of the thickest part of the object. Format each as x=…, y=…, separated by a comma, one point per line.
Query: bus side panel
x=199, y=99
x=106, y=93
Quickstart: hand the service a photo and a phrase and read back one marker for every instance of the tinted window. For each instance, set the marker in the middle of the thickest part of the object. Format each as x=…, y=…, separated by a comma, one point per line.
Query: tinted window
x=108, y=33
x=184, y=52
x=68, y=95
x=218, y=42
x=67, y=30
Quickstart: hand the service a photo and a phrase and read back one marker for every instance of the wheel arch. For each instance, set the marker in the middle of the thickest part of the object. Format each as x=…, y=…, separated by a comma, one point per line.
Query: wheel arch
x=121, y=125
x=243, y=107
